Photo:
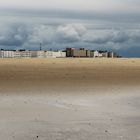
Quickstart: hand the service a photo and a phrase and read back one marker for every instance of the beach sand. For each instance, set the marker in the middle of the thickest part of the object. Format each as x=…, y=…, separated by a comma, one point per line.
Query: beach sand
x=70, y=99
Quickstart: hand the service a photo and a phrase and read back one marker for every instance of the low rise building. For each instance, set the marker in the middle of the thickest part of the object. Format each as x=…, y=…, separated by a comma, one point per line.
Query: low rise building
x=55, y=54
x=22, y=54
x=25, y=54
x=103, y=54
x=6, y=54
x=33, y=54
x=17, y=54
x=94, y=54
x=41, y=54
x=69, y=52
x=72, y=52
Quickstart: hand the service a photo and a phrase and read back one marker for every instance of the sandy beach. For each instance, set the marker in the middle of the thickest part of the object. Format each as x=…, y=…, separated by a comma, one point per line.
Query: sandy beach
x=70, y=99
x=67, y=75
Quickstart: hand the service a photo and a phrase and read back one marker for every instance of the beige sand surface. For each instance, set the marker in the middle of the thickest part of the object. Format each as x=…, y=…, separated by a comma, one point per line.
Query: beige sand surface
x=69, y=99
x=72, y=75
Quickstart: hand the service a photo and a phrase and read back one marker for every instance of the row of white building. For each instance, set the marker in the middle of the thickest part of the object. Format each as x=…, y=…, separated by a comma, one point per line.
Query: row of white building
x=69, y=52
x=31, y=54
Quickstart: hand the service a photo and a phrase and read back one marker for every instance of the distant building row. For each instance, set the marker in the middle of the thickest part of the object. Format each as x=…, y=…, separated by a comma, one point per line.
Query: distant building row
x=72, y=52
x=69, y=52
x=31, y=54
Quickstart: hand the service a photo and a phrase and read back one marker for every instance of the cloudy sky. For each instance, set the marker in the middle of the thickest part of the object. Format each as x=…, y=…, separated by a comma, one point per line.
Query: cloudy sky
x=57, y=24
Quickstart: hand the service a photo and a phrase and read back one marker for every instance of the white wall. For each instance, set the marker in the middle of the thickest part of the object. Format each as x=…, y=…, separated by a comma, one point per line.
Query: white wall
x=96, y=54
x=17, y=54
x=49, y=54
x=7, y=54
x=40, y=54
x=26, y=54
x=58, y=54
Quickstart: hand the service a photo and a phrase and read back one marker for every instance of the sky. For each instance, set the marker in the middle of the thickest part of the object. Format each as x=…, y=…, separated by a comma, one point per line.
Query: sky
x=57, y=24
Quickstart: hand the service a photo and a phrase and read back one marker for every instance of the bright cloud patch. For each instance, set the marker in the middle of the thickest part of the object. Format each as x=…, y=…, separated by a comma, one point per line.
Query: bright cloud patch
x=70, y=32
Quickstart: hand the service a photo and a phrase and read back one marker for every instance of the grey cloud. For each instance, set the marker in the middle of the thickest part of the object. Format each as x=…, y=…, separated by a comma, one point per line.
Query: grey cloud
x=21, y=35
x=70, y=33
x=13, y=35
x=97, y=37
x=114, y=36
x=40, y=33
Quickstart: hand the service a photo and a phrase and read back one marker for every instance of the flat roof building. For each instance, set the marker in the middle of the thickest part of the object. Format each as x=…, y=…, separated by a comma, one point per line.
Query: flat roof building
x=72, y=52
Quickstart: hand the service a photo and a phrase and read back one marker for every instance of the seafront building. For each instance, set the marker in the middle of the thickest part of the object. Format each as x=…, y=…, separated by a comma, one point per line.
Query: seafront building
x=72, y=52
x=69, y=52
x=31, y=54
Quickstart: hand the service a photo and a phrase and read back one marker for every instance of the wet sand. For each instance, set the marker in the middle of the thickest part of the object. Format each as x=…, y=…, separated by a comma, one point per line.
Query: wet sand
x=69, y=99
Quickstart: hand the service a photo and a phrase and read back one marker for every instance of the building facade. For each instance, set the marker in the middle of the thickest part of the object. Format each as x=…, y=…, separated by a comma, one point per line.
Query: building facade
x=6, y=54
x=94, y=54
x=55, y=54
x=70, y=52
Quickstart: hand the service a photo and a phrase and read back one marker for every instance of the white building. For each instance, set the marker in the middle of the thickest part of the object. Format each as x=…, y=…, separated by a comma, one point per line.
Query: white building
x=6, y=54
x=33, y=54
x=17, y=54
x=63, y=54
x=22, y=54
x=96, y=54
x=103, y=54
x=40, y=54
x=59, y=54
x=100, y=55
x=25, y=54
x=55, y=54
x=49, y=54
